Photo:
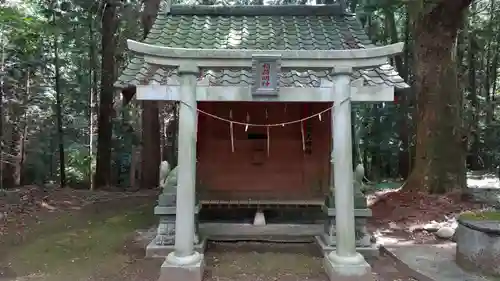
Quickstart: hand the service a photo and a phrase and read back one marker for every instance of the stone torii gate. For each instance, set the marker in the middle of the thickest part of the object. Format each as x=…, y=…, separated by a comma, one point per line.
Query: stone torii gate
x=183, y=84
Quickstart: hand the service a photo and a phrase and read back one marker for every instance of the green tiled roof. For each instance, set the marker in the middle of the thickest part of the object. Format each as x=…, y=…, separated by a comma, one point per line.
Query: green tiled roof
x=260, y=28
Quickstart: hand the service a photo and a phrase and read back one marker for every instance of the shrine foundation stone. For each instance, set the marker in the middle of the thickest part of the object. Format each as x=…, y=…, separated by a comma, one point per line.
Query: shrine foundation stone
x=353, y=268
x=174, y=270
x=161, y=251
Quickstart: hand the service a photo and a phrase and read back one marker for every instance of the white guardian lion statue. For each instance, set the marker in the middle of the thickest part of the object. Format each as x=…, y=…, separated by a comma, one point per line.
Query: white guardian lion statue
x=164, y=171
x=168, y=176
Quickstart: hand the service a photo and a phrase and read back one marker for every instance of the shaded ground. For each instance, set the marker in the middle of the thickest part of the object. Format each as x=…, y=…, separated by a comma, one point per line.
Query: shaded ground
x=402, y=215
x=286, y=262
x=23, y=208
x=247, y=261
x=47, y=233
x=52, y=235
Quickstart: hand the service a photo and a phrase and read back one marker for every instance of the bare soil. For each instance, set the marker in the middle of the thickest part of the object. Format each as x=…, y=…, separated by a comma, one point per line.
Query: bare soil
x=62, y=234
x=252, y=261
x=401, y=215
x=47, y=232
x=29, y=207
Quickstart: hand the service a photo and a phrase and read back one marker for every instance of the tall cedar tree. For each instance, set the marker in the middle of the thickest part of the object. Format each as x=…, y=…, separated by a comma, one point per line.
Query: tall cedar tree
x=440, y=149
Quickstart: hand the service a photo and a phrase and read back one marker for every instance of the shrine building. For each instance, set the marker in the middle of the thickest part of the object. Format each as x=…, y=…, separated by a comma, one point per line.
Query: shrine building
x=264, y=96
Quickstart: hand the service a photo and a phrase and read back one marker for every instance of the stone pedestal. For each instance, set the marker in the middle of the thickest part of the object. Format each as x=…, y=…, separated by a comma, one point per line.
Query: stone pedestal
x=163, y=243
x=364, y=242
x=363, y=238
x=188, y=268
x=353, y=268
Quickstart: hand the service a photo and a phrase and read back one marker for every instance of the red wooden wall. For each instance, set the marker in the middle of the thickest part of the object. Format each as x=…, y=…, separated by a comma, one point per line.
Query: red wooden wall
x=248, y=172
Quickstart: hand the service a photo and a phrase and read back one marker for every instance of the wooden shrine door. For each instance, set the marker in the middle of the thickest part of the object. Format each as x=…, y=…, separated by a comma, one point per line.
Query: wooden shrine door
x=268, y=163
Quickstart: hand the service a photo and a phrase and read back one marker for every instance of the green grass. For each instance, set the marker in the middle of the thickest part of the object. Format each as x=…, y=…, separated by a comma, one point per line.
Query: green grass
x=74, y=251
x=481, y=215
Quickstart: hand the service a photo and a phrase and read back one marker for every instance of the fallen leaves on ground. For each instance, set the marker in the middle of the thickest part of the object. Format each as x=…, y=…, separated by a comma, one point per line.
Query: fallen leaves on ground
x=402, y=211
x=23, y=206
x=28, y=206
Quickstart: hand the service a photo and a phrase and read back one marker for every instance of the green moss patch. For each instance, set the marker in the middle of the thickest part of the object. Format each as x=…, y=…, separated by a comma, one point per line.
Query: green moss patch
x=73, y=252
x=481, y=215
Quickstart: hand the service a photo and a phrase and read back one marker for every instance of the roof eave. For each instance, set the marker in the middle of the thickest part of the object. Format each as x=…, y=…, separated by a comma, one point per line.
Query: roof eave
x=258, y=10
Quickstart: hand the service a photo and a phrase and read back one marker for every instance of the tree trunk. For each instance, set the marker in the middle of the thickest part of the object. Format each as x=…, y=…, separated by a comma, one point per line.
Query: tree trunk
x=2, y=117
x=473, y=161
x=376, y=156
x=494, y=73
x=23, y=148
x=104, y=127
x=440, y=152
x=25, y=121
x=172, y=129
x=59, y=117
x=12, y=158
x=490, y=84
x=355, y=140
x=93, y=90
x=151, y=144
x=403, y=155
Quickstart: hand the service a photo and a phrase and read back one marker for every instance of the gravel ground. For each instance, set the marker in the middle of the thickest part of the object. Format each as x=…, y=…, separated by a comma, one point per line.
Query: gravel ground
x=285, y=262
x=249, y=261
